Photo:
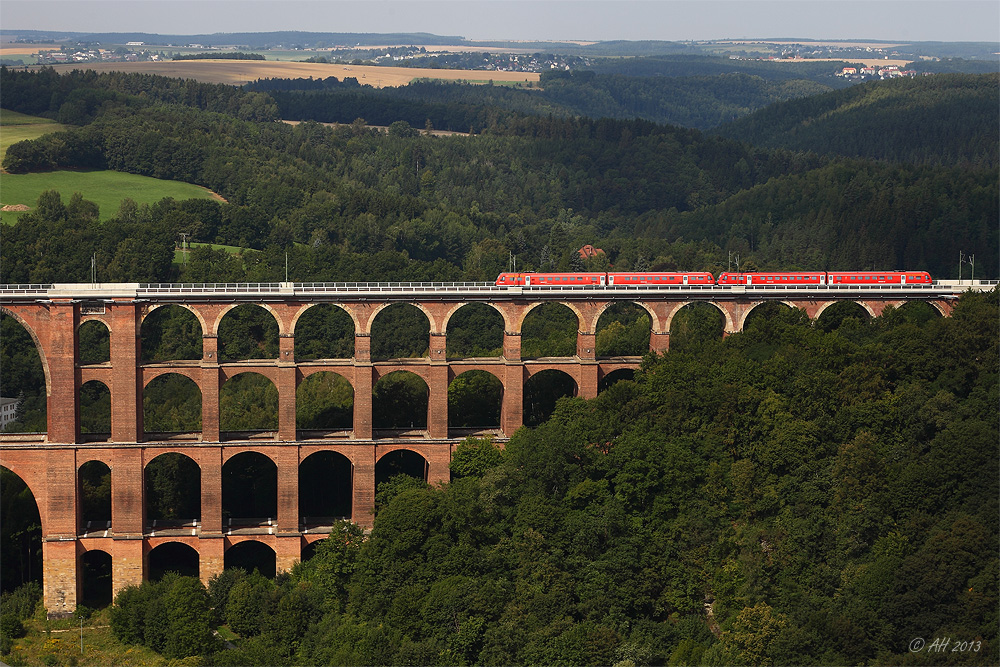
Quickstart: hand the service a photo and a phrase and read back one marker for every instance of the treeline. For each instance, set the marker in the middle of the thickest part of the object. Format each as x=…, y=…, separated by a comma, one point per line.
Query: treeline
x=831, y=505
x=946, y=119
x=229, y=55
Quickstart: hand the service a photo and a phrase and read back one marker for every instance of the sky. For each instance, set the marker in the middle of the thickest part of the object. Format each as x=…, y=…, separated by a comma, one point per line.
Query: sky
x=673, y=20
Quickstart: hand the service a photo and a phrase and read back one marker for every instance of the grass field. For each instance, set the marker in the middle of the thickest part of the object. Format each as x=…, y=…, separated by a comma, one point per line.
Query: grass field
x=239, y=72
x=16, y=127
x=105, y=188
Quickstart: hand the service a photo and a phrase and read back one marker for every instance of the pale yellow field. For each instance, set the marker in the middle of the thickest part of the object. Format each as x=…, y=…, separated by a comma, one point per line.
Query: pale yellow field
x=26, y=49
x=846, y=45
x=242, y=71
x=874, y=62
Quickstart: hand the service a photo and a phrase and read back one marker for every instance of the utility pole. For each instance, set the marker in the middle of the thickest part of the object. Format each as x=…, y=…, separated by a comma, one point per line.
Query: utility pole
x=183, y=243
x=93, y=269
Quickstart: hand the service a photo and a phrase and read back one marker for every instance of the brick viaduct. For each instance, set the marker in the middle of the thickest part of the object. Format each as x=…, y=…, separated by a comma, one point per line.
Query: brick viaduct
x=49, y=463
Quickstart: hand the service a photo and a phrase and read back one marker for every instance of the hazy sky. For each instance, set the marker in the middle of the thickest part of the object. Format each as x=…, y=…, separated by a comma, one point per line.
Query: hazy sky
x=909, y=20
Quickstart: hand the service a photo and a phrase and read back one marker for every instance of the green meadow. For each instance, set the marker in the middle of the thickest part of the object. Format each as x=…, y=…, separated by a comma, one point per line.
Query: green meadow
x=105, y=188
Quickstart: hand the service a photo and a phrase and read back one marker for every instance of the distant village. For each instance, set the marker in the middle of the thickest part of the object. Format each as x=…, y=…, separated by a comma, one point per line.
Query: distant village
x=870, y=72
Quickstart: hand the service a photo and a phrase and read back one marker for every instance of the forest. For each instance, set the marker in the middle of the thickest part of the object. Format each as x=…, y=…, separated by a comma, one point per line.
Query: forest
x=797, y=493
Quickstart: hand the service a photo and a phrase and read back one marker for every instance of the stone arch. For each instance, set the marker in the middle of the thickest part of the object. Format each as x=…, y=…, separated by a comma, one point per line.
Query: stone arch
x=95, y=578
x=621, y=341
x=266, y=346
x=147, y=321
x=101, y=337
x=459, y=342
x=250, y=555
x=382, y=306
x=580, y=319
x=326, y=488
x=172, y=490
x=172, y=557
x=479, y=403
x=458, y=306
x=746, y=313
x=729, y=324
x=400, y=460
x=411, y=337
x=24, y=510
x=146, y=312
x=302, y=340
x=542, y=390
x=93, y=483
x=38, y=346
x=863, y=304
x=555, y=345
x=169, y=405
x=614, y=376
x=249, y=489
x=225, y=310
x=302, y=309
x=933, y=303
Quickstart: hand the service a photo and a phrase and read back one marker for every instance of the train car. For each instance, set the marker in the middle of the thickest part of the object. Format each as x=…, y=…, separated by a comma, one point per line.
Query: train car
x=879, y=278
x=663, y=279
x=766, y=278
x=551, y=279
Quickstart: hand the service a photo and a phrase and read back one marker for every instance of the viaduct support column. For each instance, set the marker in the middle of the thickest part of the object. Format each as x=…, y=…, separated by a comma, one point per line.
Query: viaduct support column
x=363, y=501
x=437, y=402
x=586, y=350
x=659, y=342
x=212, y=544
x=363, y=401
x=210, y=389
x=286, y=388
x=127, y=518
x=59, y=545
x=126, y=386
x=512, y=410
x=63, y=408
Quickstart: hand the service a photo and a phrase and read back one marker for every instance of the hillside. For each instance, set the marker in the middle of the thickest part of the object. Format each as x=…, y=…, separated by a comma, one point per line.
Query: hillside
x=948, y=119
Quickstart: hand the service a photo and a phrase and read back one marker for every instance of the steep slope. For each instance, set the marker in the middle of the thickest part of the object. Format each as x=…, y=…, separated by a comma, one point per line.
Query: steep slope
x=948, y=119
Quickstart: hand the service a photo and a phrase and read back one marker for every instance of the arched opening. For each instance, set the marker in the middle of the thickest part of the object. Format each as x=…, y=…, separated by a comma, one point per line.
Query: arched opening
x=249, y=490
x=95, y=410
x=248, y=332
x=840, y=314
x=23, y=400
x=20, y=533
x=248, y=403
x=324, y=404
x=475, y=330
x=474, y=401
x=918, y=313
x=325, y=488
x=541, y=392
x=172, y=485
x=94, y=487
x=324, y=331
x=171, y=403
x=623, y=330
x=696, y=324
x=94, y=342
x=399, y=401
x=400, y=331
x=95, y=578
x=309, y=550
x=766, y=311
x=549, y=330
x=615, y=376
x=172, y=557
x=170, y=333
x=249, y=556
x=400, y=462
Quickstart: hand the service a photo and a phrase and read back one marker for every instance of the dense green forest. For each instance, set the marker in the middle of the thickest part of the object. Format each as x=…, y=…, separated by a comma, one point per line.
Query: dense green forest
x=944, y=119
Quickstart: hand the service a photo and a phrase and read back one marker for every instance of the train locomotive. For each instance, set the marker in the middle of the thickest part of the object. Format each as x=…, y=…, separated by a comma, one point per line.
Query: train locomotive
x=653, y=279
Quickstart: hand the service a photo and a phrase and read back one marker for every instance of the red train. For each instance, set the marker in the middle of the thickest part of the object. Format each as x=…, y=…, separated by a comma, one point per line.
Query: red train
x=704, y=278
